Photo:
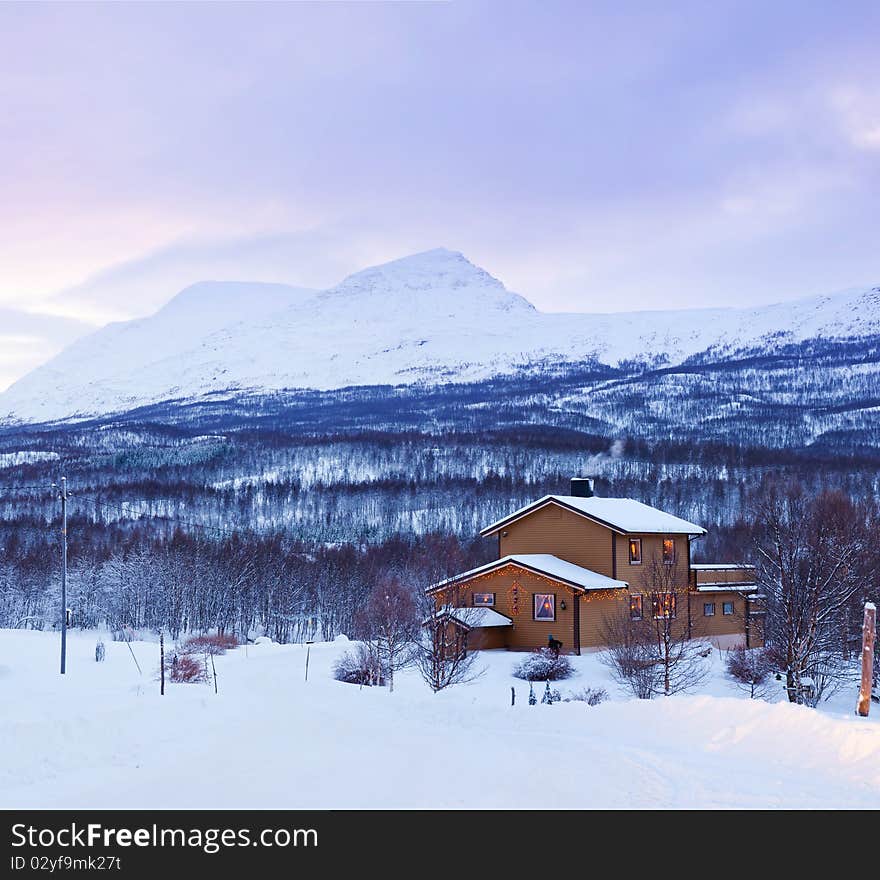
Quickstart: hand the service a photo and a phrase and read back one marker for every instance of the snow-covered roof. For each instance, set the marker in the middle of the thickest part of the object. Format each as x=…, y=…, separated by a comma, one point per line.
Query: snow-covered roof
x=720, y=566
x=475, y=618
x=621, y=514
x=545, y=564
x=738, y=587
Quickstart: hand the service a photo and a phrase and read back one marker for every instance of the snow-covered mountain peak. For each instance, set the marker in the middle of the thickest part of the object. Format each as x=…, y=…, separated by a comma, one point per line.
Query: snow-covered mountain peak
x=436, y=279
x=426, y=318
x=439, y=269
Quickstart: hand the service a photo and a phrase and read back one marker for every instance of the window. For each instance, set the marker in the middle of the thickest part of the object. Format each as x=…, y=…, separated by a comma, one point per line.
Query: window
x=635, y=551
x=669, y=550
x=545, y=606
x=663, y=605
x=635, y=607
x=727, y=608
x=483, y=599
x=708, y=609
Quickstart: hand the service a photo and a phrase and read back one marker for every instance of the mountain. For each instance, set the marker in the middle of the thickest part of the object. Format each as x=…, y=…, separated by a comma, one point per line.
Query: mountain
x=103, y=371
x=426, y=319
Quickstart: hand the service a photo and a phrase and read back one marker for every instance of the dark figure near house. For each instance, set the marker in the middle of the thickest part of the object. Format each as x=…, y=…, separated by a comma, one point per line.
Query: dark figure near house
x=554, y=644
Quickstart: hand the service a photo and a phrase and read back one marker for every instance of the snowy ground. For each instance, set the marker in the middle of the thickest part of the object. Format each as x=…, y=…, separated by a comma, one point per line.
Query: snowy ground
x=103, y=737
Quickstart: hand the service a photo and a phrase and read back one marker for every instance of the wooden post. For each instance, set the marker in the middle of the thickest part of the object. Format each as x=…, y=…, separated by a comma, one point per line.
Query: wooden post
x=162, y=663
x=868, y=634
x=64, y=620
x=513, y=696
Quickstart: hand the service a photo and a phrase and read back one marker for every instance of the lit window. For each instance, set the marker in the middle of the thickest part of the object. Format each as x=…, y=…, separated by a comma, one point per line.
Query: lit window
x=545, y=606
x=484, y=599
x=663, y=605
x=669, y=551
x=635, y=551
x=635, y=607
x=727, y=608
x=708, y=609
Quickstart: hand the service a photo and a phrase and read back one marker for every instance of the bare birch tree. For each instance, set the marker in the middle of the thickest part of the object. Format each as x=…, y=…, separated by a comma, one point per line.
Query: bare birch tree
x=652, y=653
x=442, y=655
x=813, y=563
x=388, y=624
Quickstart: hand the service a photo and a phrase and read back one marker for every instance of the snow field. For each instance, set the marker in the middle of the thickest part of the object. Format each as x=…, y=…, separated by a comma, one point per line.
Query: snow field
x=102, y=737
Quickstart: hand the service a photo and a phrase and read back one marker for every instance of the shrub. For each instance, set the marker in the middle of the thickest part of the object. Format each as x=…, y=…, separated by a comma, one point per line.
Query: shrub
x=214, y=644
x=359, y=667
x=749, y=666
x=185, y=668
x=750, y=670
x=588, y=695
x=543, y=665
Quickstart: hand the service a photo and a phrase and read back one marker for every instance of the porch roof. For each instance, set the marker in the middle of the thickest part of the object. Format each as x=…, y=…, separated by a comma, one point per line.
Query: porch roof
x=475, y=618
x=721, y=566
x=544, y=564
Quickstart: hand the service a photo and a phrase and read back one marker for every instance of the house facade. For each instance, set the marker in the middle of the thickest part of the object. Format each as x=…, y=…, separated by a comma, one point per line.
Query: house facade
x=569, y=565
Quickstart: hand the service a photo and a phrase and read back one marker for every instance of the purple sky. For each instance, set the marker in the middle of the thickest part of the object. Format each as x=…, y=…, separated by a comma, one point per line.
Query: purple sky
x=699, y=154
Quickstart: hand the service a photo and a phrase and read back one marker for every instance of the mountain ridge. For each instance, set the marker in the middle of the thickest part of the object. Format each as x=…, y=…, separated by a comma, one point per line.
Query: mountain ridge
x=425, y=318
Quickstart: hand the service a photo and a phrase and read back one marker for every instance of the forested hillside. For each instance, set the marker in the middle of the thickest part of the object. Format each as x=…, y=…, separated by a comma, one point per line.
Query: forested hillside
x=281, y=511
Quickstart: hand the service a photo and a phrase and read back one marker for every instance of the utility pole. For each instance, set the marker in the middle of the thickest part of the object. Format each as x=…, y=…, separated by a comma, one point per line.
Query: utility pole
x=63, y=575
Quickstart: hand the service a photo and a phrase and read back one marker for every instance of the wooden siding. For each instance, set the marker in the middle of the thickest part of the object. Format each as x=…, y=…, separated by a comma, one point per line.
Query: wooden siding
x=526, y=633
x=571, y=537
x=652, y=573
x=718, y=624
x=596, y=611
x=487, y=638
x=723, y=626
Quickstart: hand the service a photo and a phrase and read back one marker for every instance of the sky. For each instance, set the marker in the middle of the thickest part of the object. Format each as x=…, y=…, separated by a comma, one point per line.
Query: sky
x=592, y=158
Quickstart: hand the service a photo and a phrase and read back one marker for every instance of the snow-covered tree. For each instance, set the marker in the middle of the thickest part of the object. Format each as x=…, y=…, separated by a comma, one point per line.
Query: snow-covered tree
x=815, y=558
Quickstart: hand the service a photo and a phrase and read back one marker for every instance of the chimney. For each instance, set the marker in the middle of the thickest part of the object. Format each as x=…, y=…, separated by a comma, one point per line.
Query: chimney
x=582, y=487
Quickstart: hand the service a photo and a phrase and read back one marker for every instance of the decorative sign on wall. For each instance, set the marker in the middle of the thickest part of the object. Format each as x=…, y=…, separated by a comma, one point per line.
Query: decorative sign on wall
x=515, y=595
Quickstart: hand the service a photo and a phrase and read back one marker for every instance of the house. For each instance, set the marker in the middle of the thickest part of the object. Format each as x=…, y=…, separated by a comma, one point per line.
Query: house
x=568, y=564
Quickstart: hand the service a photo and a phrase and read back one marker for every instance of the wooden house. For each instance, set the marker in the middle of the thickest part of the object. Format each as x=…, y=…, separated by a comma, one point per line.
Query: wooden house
x=569, y=564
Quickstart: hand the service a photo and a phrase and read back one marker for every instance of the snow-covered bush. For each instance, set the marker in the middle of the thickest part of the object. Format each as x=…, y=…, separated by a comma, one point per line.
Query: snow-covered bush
x=588, y=695
x=215, y=644
x=543, y=665
x=185, y=668
x=100, y=651
x=749, y=666
x=359, y=666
